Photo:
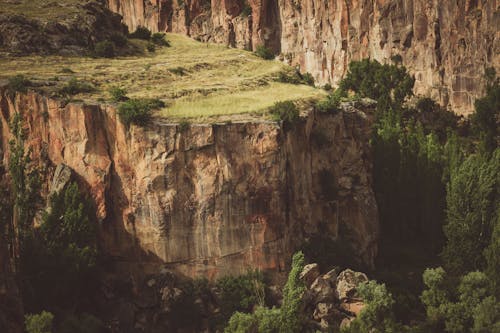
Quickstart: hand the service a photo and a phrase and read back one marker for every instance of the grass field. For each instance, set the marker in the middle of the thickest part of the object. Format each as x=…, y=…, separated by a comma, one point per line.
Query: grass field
x=44, y=10
x=195, y=80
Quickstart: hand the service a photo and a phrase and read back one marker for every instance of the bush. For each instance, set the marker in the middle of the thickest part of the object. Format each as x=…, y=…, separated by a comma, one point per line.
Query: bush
x=308, y=79
x=327, y=87
x=118, y=39
x=181, y=71
x=105, y=49
x=184, y=125
x=151, y=47
x=331, y=103
x=18, y=83
x=285, y=111
x=141, y=33
x=138, y=111
x=264, y=52
x=74, y=87
x=288, y=77
x=118, y=94
x=158, y=38
x=39, y=323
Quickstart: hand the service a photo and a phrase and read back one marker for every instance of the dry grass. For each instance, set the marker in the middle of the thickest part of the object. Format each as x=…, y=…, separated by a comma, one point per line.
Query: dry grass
x=194, y=79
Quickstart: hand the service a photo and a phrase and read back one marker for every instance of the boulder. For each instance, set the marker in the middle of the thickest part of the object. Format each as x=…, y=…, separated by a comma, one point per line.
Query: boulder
x=347, y=282
x=309, y=274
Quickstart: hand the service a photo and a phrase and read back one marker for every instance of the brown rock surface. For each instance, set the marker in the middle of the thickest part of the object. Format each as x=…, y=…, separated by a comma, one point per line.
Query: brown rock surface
x=214, y=199
x=445, y=44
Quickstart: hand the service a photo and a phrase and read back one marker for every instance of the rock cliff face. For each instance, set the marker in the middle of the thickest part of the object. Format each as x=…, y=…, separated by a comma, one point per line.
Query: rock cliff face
x=446, y=44
x=212, y=199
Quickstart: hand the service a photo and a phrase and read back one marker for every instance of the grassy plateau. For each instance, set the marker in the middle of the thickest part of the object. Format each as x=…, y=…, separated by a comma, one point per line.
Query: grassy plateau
x=195, y=80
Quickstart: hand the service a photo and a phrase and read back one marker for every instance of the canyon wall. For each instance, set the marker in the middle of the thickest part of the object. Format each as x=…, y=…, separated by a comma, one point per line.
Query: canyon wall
x=213, y=199
x=446, y=44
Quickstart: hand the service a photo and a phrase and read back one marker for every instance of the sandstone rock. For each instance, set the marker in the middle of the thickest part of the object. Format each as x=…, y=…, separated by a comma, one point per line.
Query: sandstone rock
x=322, y=290
x=61, y=178
x=353, y=307
x=445, y=44
x=347, y=282
x=346, y=322
x=309, y=274
x=212, y=200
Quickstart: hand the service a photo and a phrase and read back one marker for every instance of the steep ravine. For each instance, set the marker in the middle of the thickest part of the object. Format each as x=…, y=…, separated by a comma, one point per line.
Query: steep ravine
x=446, y=44
x=213, y=199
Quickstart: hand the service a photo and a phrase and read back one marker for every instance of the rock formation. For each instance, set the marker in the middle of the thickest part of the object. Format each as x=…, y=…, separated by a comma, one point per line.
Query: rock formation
x=212, y=199
x=446, y=44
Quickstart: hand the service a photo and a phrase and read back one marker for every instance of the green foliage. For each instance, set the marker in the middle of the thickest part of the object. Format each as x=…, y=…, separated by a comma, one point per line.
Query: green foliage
x=472, y=209
x=184, y=125
x=291, y=320
x=39, y=323
x=119, y=39
x=158, y=38
x=138, y=111
x=433, y=118
x=181, y=71
x=377, y=315
x=60, y=256
x=151, y=47
x=331, y=103
x=285, y=111
x=240, y=293
x=460, y=309
x=388, y=84
x=308, y=79
x=25, y=180
x=105, y=49
x=287, y=319
x=486, y=118
x=397, y=59
x=18, y=83
x=118, y=94
x=141, y=33
x=74, y=86
x=264, y=52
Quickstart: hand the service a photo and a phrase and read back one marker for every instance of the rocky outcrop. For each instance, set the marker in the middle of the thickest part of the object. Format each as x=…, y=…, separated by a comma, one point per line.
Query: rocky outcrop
x=213, y=199
x=331, y=301
x=74, y=35
x=446, y=44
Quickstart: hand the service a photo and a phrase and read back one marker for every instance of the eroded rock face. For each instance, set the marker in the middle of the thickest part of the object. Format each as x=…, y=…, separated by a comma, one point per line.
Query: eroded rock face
x=213, y=199
x=446, y=44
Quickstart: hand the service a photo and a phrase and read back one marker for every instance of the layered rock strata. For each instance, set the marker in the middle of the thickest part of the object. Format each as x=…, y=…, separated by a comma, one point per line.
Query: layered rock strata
x=447, y=45
x=213, y=199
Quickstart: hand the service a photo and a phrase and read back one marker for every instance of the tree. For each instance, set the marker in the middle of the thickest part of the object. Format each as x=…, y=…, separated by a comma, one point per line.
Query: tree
x=60, y=257
x=291, y=320
x=472, y=207
x=39, y=323
x=377, y=315
x=486, y=118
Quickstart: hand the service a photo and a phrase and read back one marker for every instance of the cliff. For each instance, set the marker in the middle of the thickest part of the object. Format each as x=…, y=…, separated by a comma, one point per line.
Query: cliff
x=212, y=199
x=446, y=44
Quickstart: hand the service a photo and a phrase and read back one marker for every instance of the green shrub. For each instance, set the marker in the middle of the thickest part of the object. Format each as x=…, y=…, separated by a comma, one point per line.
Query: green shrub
x=39, y=323
x=331, y=103
x=308, y=79
x=289, y=77
x=151, y=47
x=158, y=38
x=18, y=83
x=141, y=33
x=118, y=94
x=181, y=71
x=327, y=87
x=184, y=125
x=74, y=86
x=118, y=39
x=138, y=111
x=67, y=70
x=285, y=111
x=105, y=49
x=264, y=52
